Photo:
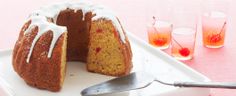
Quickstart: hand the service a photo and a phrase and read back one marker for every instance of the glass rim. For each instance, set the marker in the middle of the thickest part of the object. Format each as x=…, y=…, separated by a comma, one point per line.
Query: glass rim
x=215, y=14
x=184, y=31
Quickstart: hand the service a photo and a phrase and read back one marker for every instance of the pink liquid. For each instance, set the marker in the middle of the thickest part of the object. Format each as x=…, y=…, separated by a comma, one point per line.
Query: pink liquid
x=213, y=28
x=160, y=34
x=183, y=42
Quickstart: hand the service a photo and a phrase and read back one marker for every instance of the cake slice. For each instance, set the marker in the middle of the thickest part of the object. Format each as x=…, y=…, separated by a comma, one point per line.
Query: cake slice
x=107, y=53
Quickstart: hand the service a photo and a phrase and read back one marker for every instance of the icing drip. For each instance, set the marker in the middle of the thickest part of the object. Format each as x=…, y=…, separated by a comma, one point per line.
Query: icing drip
x=50, y=11
x=39, y=18
x=43, y=27
x=53, y=11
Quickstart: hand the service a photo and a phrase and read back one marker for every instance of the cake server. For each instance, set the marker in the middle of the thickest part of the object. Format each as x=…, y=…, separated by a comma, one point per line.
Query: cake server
x=139, y=80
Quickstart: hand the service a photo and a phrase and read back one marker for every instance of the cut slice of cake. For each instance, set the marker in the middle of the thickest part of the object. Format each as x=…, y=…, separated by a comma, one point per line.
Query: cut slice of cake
x=107, y=53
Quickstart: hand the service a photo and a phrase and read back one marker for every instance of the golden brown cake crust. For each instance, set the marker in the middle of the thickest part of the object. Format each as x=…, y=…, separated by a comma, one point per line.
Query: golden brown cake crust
x=127, y=53
x=128, y=56
x=40, y=72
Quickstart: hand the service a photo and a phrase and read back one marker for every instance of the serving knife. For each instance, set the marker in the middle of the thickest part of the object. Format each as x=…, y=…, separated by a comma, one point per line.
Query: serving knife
x=139, y=80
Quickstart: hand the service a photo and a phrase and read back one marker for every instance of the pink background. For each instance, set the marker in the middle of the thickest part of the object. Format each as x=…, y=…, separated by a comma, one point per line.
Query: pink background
x=217, y=64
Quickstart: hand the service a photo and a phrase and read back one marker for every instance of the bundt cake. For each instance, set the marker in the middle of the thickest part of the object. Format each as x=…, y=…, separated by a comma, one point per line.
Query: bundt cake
x=64, y=32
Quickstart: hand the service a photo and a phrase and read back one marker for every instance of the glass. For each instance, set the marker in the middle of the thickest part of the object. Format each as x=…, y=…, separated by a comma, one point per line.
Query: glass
x=214, y=24
x=185, y=19
x=213, y=29
x=159, y=27
x=159, y=34
x=183, y=43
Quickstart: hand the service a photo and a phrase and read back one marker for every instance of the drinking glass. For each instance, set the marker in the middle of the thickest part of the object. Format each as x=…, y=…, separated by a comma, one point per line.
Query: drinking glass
x=159, y=26
x=214, y=23
x=185, y=21
x=183, y=43
x=159, y=34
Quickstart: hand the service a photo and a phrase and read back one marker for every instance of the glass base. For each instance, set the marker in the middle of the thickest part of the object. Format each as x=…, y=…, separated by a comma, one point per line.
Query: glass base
x=162, y=48
x=209, y=46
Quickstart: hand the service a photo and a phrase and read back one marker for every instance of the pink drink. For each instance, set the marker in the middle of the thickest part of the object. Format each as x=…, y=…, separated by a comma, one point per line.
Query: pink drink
x=183, y=42
x=213, y=28
x=159, y=34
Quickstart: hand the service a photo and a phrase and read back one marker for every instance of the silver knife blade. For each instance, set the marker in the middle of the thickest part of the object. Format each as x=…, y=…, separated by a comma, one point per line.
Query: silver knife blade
x=136, y=80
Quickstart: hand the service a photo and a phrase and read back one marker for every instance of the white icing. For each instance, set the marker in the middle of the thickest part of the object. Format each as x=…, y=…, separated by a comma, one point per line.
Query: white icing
x=39, y=18
x=43, y=27
x=52, y=11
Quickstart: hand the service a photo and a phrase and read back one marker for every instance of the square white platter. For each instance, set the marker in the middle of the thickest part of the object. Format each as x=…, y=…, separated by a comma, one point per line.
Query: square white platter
x=145, y=58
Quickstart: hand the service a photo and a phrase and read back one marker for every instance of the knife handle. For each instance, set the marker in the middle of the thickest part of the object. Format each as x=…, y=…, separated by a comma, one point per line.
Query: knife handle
x=225, y=85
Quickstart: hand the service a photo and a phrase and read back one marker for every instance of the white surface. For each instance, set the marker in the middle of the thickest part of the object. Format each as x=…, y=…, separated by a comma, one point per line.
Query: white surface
x=145, y=58
x=4, y=89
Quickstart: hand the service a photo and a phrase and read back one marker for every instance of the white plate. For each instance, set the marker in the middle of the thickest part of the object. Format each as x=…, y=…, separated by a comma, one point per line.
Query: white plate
x=145, y=58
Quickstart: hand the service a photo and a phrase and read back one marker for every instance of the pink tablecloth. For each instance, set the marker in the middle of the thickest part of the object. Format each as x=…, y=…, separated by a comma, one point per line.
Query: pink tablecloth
x=217, y=64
